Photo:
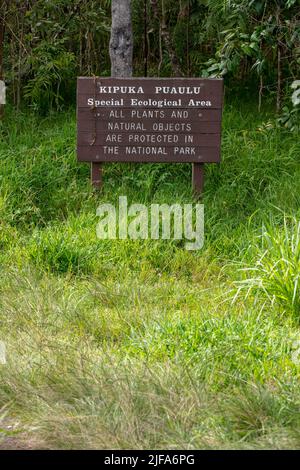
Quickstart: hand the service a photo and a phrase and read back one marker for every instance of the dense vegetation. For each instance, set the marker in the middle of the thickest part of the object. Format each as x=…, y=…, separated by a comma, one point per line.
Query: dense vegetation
x=142, y=344
x=253, y=44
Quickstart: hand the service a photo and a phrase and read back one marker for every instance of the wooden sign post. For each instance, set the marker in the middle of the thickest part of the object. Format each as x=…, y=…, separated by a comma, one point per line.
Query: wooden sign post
x=149, y=120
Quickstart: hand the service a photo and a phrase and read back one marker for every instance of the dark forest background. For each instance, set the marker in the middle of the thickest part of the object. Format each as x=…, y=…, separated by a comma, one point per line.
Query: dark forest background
x=254, y=45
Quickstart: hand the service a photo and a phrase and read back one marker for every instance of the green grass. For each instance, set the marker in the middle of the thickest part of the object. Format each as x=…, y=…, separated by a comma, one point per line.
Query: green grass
x=142, y=344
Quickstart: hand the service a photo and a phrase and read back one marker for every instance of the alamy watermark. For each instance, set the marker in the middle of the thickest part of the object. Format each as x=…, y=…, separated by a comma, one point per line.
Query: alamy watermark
x=158, y=221
x=296, y=352
x=2, y=353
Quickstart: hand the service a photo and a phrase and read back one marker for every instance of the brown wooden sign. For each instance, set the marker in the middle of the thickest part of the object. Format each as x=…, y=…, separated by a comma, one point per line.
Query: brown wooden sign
x=149, y=120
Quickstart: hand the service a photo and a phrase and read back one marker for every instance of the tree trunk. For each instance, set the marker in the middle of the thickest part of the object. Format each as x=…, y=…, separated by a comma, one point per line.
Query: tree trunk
x=145, y=39
x=279, y=64
x=121, y=40
x=120, y=51
x=279, y=73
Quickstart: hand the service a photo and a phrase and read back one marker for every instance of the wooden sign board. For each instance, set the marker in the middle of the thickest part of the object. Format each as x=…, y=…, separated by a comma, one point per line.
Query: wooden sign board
x=172, y=120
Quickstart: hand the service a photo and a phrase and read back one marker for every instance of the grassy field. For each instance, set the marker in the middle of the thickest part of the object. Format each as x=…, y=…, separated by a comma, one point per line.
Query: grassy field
x=142, y=344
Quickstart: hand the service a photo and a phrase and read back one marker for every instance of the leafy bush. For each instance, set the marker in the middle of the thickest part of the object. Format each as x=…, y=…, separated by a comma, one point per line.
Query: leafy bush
x=52, y=69
x=290, y=118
